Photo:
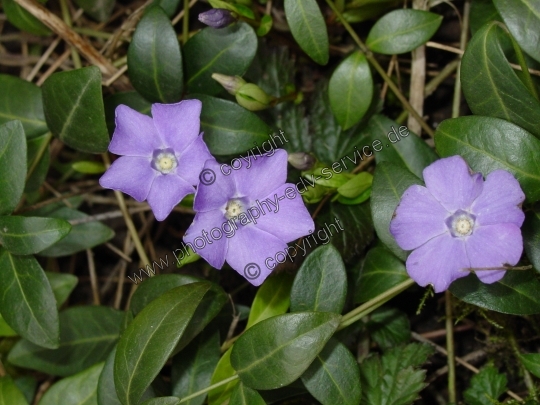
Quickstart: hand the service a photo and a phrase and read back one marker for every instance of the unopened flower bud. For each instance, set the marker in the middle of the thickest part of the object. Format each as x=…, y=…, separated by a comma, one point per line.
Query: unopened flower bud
x=217, y=18
x=301, y=160
x=253, y=98
x=231, y=83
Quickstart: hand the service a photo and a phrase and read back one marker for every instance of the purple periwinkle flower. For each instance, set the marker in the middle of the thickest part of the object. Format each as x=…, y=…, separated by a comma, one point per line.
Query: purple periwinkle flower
x=217, y=18
x=246, y=214
x=459, y=223
x=161, y=157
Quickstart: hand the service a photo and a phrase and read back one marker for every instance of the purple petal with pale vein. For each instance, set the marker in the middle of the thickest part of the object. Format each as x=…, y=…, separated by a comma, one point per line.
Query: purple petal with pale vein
x=292, y=219
x=192, y=159
x=494, y=246
x=450, y=182
x=166, y=192
x=179, y=124
x=132, y=175
x=438, y=262
x=499, y=200
x=214, y=194
x=251, y=253
x=205, y=222
x=419, y=217
x=265, y=174
x=135, y=134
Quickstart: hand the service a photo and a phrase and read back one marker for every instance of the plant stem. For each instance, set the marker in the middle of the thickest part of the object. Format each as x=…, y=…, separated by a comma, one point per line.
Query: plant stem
x=529, y=383
x=450, y=349
x=210, y=388
x=185, y=22
x=39, y=155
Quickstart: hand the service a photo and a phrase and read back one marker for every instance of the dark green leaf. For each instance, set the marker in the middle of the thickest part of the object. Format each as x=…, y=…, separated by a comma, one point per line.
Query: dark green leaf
x=486, y=387
x=482, y=12
x=22, y=19
x=39, y=174
x=531, y=361
x=87, y=335
x=243, y=395
x=389, y=327
x=9, y=393
x=21, y=100
x=276, y=351
x=62, y=285
x=99, y=10
x=531, y=238
x=403, y=30
x=308, y=28
x=366, y=10
x=488, y=144
x=162, y=401
x=321, y=282
x=272, y=298
x=350, y=90
x=154, y=58
x=12, y=165
x=223, y=370
x=228, y=51
x=27, y=385
x=131, y=99
x=73, y=106
x=169, y=6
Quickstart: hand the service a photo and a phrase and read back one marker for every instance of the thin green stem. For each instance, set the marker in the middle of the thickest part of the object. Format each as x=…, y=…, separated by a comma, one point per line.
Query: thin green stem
x=39, y=155
x=67, y=19
x=210, y=388
x=185, y=22
x=450, y=349
x=93, y=33
x=529, y=383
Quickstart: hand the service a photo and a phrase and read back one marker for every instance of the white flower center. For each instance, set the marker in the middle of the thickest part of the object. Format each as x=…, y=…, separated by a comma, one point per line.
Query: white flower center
x=461, y=223
x=463, y=226
x=165, y=162
x=234, y=208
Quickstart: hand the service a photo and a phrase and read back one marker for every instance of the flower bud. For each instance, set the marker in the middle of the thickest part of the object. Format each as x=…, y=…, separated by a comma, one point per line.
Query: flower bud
x=217, y=18
x=253, y=98
x=231, y=83
x=301, y=160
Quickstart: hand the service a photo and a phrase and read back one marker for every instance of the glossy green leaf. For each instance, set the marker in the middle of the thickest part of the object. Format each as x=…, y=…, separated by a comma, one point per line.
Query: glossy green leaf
x=266, y=25
x=21, y=100
x=488, y=144
x=131, y=99
x=73, y=106
x=80, y=389
x=381, y=271
x=228, y=51
x=26, y=299
x=5, y=329
x=350, y=89
x=23, y=20
x=366, y=10
x=88, y=167
x=276, y=351
x=522, y=17
x=333, y=377
x=482, y=12
x=37, y=177
x=491, y=86
x=321, y=282
x=243, y=395
x=9, y=393
x=356, y=186
x=99, y=10
x=308, y=28
x=272, y=298
x=169, y=6
x=162, y=401
x=12, y=165
x=486, y=387
x=151, y=337
x=531, y=238
x=223, y=370
x=87, y=335
x=531, y=361
x=62, y=285
x=389, y=327
x=154, y=58
x=29, y=235
x=403, y=30
x=230, y=129
x=27, y=385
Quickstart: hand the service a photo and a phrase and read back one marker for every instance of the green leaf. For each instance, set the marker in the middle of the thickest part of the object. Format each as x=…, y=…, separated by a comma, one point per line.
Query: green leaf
x=520, y=16
x=73, y=106
x=87, y=335
x=350, y=89
x=9, y=393
x=29, y=235
x=80, y=389
x=12, y=165
x=99, y=10
x=356, y=186
x=62, y=285
x=531, y=361
x=27, y=300
x=486, y=387
x=482, y=12
x=531, y=238
x=88, y=167
x=21, y=100
x=401, y=31
x=39, y=174
x=5, y=329
x=82, y=236
x=381, y=271
x=243, y=395
x=23, y=20
x=162, y=401
x=169, y=6
x=151, y=337
x=272, y=298
x=131, y=99
x=266, y=25
x=223, y=370
x=491, y=86
x=389, y=327
x=154, y=58
x=27, y=385
x=230, y=129
x=308, y=28
x=516, y=293
x=321, y=282
x=228, y=51
x=488, y=144
x=333, y=377
x=276, y=351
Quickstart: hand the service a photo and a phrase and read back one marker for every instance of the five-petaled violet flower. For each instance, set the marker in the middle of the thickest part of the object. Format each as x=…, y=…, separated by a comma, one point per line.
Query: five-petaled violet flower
x=247, y=215
x=161, y=157
x=458, y=223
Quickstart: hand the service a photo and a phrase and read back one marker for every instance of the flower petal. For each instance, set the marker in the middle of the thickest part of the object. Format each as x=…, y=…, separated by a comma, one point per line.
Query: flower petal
x=207, y=242
x=252, y=253
x=179, y=124
x=135, y=134
x=439, y=262
x=419, y=217
x=214, y=189
x=284, y=215
x=451, y=183
x=132, y=175
x=192, y=159
x=499, y=201
x=166, y=192
x=494, y=246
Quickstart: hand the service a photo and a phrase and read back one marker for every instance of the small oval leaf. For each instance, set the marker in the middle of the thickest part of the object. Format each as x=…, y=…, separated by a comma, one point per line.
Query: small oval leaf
x=272, y=299
x=12, y=165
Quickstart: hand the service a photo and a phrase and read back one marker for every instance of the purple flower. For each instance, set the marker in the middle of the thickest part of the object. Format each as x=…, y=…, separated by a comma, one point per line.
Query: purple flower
x=217, y=18
x=247, y=214
x=161, y=156
x=459, y=222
